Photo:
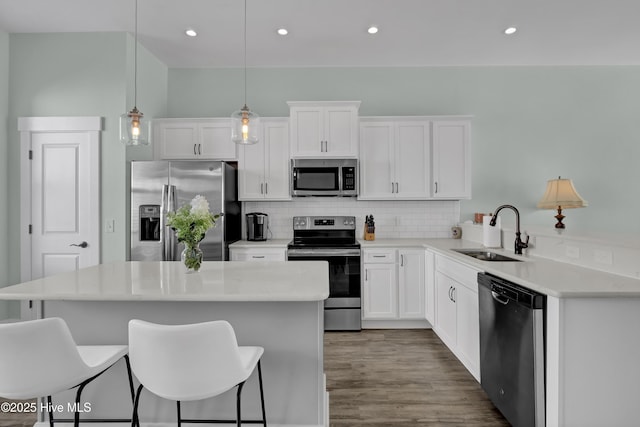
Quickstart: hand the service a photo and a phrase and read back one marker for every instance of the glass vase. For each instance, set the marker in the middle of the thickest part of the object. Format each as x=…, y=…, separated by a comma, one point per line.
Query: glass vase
x=192, y=257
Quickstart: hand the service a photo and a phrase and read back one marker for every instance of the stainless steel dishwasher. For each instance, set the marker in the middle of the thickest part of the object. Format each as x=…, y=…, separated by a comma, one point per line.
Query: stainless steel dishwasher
x=512, y=342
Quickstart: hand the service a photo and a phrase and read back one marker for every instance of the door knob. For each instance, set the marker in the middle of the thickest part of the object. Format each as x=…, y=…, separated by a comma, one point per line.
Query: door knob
x=81, y=245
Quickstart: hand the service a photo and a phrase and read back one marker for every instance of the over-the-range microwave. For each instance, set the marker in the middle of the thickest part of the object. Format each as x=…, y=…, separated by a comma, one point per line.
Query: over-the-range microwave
x=324, y=177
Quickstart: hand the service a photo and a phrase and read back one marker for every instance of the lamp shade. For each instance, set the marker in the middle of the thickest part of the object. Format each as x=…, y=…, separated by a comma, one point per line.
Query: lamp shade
x=245, y=126
x=561, y=193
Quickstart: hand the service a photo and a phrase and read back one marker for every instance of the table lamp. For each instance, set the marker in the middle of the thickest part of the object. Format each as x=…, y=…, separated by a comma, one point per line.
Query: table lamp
x=561, y=194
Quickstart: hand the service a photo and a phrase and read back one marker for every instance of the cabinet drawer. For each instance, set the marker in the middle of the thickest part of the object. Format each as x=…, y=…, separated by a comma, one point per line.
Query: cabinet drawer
x=459, y=272
x=379, y=256
x=262, y=254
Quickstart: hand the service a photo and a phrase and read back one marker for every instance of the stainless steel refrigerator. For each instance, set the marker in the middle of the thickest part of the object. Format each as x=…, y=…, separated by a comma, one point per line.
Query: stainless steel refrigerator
x=158, y=187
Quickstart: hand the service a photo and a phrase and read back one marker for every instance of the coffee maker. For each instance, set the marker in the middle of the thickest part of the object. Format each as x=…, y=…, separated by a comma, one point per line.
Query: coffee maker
x=257, y=225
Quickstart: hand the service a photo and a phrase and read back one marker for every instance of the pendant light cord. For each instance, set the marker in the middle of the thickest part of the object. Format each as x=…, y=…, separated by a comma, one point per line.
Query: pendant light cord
x=135, y=59
x=245, y=52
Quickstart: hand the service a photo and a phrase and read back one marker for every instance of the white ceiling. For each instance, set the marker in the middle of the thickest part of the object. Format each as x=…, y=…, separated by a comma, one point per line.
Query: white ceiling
x=333, y=32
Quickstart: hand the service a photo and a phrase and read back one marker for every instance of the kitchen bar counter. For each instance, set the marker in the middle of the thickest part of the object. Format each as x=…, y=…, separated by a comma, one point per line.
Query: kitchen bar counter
x=168, y=281
x=276, y=305
x=549, y=277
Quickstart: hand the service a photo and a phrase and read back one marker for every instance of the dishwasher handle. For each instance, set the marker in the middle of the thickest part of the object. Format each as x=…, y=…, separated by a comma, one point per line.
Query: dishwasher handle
x=496, y=296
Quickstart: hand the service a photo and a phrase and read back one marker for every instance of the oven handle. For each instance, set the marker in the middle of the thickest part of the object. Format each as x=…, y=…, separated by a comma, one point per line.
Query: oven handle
x=322, y=252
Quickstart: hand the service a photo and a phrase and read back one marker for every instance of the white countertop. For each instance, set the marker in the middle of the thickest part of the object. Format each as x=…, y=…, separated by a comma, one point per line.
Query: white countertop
x=539, y=274
x=168, y=281
x=271, y=243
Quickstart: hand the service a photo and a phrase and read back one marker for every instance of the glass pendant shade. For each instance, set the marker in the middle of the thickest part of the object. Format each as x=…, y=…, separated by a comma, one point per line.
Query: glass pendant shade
x=245, y=126
x=134, y=129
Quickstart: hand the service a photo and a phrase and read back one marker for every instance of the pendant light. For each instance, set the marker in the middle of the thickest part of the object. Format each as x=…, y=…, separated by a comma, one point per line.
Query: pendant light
x=245, y=124
x=134, y=129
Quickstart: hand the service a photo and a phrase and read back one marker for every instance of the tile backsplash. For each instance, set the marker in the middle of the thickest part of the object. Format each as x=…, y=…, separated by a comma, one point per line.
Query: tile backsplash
x=617, y=254
x=394, y=219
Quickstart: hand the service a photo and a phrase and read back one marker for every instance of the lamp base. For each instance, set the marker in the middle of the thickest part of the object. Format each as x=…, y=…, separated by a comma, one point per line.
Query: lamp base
x=559, y=217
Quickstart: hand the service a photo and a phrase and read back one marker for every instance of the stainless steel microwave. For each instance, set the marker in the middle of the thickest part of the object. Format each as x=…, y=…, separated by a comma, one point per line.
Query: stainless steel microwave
x=324, y=177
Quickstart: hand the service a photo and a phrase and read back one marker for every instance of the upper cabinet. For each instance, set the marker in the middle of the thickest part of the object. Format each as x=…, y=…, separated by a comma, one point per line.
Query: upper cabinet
x=394, y=159
x=324, y=129
x=414, y=158
x=451, y=159
x=263, y=168
x=193, y=139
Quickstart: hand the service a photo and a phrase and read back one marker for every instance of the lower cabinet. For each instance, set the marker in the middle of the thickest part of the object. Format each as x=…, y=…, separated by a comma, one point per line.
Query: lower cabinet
x=393, y=284
x=456, y=311
x=258, y=254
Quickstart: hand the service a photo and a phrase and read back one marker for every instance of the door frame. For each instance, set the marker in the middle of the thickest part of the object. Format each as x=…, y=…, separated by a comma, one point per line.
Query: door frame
x=27, y=126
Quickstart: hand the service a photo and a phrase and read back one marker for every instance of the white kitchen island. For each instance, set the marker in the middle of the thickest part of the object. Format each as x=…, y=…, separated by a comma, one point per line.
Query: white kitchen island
x=276, y=305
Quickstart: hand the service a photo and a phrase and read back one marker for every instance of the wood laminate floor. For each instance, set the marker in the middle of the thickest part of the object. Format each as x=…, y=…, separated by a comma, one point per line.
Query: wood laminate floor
x=388, y=378
x=401, y=378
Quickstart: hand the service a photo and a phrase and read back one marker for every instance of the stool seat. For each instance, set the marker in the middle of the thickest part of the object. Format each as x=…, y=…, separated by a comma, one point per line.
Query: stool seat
x=191, y=362
x=39, y=358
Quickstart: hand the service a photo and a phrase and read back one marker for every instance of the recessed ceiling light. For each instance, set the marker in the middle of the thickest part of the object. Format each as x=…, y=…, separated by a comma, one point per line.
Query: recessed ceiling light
x=510, y=30
x=372, y=30
x=283, y=31
x=191, y=33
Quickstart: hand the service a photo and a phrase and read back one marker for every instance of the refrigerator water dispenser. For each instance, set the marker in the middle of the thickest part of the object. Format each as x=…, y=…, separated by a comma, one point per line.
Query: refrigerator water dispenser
x=150, y=223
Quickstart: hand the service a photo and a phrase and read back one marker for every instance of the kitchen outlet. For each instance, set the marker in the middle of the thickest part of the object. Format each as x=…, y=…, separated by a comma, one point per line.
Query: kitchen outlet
x=572, y=252
x=109, y=226
x=603, y=256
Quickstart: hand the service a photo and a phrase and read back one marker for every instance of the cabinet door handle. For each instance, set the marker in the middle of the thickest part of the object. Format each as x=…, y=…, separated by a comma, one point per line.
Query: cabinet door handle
x=393, y=188
x=261, y=188
x=436, y=187
x=401, y=260
x=397, y=190
x=366, y=274
x=326, y=146
x=453, y=293
x=194, y=150
x=266, y=188
x=199, y=148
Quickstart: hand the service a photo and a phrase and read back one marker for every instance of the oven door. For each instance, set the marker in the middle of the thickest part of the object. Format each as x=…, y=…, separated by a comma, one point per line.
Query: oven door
x=342, y=308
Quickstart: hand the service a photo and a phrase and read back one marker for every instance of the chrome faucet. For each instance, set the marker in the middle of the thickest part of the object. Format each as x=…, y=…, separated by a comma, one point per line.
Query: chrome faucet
x=519, y=244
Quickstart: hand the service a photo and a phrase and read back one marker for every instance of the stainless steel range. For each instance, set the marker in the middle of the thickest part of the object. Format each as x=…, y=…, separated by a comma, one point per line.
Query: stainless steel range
x=332, y=239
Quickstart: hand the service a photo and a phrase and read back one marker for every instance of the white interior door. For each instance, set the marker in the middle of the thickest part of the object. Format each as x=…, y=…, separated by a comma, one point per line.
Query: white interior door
x=60, y=193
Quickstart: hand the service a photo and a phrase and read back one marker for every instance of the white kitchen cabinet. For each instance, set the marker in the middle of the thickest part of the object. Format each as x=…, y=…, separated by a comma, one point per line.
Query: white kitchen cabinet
x=411, y=274
x=456, y=311
x=193, y=139
x=324, y=129
x=263, y=168
x=258, y=254
x=429, y=287
x=393, y=286
x=380, y=296
x=395, y=159
x=451, y=159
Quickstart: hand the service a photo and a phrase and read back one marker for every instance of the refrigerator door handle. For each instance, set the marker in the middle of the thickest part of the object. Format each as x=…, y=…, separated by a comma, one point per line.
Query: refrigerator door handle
x=170, y=240
x=164, y=234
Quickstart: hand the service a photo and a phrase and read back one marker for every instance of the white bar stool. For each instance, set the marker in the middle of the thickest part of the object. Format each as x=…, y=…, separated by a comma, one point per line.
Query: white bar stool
x=39, y=358
x=191, y=362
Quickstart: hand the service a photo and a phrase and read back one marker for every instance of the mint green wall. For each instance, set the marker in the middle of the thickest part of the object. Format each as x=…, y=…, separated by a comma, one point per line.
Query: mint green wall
x=530, y=124
x=87, y=74
x=4, y=177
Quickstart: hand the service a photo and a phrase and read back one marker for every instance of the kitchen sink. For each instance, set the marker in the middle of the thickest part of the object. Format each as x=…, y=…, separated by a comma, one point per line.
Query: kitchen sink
x=484, y=255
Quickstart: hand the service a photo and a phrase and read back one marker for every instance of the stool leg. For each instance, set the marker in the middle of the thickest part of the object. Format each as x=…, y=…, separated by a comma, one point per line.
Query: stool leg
x=179, y=418
x=264, y=416
x=238, y=409
x=126, y=359
x=134, y=418
x=50, y=408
